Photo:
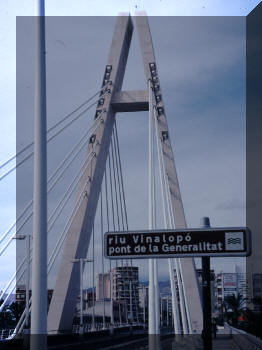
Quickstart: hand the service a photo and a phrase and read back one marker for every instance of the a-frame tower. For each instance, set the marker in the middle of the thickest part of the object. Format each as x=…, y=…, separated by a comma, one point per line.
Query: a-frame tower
x=66, y=290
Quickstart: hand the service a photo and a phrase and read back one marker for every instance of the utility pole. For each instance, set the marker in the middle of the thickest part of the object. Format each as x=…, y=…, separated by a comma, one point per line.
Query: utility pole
x=39, y=272
x=207, y=319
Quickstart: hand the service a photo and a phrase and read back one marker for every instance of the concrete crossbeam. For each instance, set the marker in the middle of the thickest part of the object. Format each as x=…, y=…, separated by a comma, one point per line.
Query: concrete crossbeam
x=130, y=101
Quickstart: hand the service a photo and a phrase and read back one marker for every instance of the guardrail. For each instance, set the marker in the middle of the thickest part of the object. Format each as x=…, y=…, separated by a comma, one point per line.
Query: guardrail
x=100, y=326
x=6, y=334
x=243, y=339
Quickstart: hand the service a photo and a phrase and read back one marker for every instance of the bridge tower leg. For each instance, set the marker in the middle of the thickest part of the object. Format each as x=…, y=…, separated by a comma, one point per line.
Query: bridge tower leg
x=188, y=269
x=66, y=290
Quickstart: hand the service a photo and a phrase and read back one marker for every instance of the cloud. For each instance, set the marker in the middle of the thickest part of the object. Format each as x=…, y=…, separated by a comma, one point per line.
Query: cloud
x=232, y=205
x=200, y=65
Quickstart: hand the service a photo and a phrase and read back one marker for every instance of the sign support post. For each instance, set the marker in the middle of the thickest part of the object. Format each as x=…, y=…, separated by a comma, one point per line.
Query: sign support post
x=207, y=319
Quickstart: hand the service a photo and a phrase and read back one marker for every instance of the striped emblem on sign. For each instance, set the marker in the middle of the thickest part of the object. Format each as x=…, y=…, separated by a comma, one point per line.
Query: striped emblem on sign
x=234, y=241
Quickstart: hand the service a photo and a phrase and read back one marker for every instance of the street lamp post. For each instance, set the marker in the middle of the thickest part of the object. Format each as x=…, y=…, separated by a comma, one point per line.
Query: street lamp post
x=81, y=265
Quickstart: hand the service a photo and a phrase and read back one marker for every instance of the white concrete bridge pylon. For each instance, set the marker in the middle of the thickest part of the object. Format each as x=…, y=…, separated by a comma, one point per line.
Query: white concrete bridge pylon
x=76, y=245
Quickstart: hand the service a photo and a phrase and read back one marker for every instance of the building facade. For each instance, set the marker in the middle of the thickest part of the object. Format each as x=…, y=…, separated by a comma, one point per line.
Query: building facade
x=102, y=286
x=257, y=291
x=228, y=284
x=125, y=289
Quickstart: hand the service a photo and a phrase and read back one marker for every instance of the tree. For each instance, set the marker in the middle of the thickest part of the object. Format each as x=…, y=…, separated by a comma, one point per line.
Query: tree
x=16, y=310
x=5, y=317
x=235, y=303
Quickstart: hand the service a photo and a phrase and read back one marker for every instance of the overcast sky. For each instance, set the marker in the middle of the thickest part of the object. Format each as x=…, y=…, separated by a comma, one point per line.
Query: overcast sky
x=201, y=63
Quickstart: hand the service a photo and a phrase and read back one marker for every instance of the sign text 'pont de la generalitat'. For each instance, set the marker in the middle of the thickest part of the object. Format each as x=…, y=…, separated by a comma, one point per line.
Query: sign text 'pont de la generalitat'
x=178, y=243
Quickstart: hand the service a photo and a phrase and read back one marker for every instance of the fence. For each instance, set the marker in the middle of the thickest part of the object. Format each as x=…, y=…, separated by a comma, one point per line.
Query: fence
x=243, y=340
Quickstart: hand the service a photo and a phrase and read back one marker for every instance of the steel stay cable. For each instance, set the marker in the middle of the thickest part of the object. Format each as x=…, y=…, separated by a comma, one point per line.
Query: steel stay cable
x=21, y=322
x=167, y=221
x=60, y=242
x=62, y=237
x=172, y=224
x=102, y=252
x=53, y=253
x=14, y=224
x=62, y=173
x=50, y=263
x=184, y=311
x=71, y=189
x=12, y=279
x=114, y=179
x=122, y=184
x=51, y=138
x=111, y=190
x=185, y=297
x=107, y=209
x=110, y=264
x=175, y=261
x=11, y=238
x=86, y=135
x=118, y=180
x=180, y=279
x=22, y=225
x=117, y=160
x=81, y=170
x=121, y=177
x=118, y=190
x=52, y=186
x=72, y=216
x=55, y=125
x=117, y=210
x=8, y=295
x=82, y=105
